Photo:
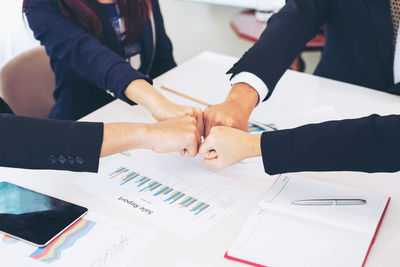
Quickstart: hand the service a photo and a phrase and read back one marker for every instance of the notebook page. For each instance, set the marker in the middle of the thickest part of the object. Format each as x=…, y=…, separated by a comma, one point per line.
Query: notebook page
x=363, y=218
x=274, y=239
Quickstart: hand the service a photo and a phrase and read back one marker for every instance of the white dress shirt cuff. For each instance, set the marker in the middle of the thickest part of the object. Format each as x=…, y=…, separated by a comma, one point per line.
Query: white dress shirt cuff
x=396, y=62
x=253, y=81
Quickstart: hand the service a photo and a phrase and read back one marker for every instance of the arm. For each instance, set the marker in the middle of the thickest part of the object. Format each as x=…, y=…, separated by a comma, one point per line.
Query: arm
x=369, y=144
x=49, y=144
x=98, y=64
x=169, y=136
x=33, y=143
x=282, y=41
x=82, y=52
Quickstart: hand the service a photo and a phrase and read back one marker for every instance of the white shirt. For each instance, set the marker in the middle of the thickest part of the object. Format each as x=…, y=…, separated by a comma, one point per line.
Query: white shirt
x=262, y=89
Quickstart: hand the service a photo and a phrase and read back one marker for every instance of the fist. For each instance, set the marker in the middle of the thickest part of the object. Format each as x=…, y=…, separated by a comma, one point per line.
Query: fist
x=225, y=146
x=180, y=134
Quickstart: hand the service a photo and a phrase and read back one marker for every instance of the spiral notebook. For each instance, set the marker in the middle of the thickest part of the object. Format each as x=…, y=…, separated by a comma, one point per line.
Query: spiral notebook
x=278, y=233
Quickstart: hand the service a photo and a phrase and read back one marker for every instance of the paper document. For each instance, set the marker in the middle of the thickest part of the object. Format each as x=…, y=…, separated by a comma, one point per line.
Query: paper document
x=92, y=241
x=169, y=192
x=292, y=118
x=279, y=233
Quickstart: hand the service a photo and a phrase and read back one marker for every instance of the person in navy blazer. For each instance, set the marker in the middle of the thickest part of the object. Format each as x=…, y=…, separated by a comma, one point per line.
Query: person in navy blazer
x=92, y=71
x=33, y=143
x=359, y=49
x=362, y=47
x=369, y=144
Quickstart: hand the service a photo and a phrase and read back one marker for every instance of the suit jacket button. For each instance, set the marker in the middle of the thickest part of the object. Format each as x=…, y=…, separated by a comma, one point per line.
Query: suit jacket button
x=110, y=93
x=53, y=159
x=62, y=159
x=79, y=160
x=71, y=160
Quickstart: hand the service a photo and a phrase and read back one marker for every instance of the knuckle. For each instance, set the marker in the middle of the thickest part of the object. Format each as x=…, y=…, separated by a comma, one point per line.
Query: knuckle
x=229, y=122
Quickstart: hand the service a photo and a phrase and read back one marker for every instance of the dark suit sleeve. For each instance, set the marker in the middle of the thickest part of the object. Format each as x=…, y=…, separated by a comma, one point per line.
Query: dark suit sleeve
x=81, y=51
x=163, y=60
x=49, y=144
x=395, y=89
x=370, y=144
x=287, y=33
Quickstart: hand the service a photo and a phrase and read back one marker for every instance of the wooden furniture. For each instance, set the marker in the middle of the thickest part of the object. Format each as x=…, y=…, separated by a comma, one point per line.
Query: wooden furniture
x=248, y=27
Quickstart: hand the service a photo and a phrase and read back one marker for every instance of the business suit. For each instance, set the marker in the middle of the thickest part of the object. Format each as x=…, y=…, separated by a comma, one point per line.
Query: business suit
x=358, y=48
x=369, y=144
x=48, y=144
x=90, y=72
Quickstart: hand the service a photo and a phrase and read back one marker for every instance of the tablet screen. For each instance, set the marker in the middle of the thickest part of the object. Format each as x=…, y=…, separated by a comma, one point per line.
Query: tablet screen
x=34, y=217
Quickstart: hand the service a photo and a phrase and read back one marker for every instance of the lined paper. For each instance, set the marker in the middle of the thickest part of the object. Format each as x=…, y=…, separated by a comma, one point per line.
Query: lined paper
x=279, y=233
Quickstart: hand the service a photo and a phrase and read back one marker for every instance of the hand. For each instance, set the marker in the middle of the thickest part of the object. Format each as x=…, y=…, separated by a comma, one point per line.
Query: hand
x=235, y=111
x=174, y=135
x=225, y=146
x=144, y=94
x=166, y=110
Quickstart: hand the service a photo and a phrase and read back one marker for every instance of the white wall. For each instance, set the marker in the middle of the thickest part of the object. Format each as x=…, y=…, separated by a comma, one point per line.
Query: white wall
x=192, y=27
x=195, y=27
x=15, y=35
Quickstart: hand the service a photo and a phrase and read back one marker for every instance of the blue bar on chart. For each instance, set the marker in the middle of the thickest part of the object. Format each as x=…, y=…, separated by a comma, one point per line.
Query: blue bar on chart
x=129, y=177
x=199, y=208
x=118, y=172
x=163, y=190
x=142, y=181
x=175, y=197
x=151, y=186
x=158, y=189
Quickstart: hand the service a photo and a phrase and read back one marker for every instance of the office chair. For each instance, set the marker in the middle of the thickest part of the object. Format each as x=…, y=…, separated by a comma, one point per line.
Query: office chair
x=27, y=83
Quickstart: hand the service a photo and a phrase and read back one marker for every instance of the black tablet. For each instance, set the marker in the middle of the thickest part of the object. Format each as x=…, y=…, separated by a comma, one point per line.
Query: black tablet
x=34, y=217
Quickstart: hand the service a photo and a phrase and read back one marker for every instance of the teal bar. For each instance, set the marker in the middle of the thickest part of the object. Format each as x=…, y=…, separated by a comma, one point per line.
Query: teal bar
x=186, y=201
x=171, y=197
x=202, y=209
x=116, y=172
x=150, y=185
x=177, y=199
x=161, y=191
x=198, y=206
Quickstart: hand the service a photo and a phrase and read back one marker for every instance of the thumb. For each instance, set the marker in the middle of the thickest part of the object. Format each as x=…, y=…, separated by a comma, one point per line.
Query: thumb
x=208, y=149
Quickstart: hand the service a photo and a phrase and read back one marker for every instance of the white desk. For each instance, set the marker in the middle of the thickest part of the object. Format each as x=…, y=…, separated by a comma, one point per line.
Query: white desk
x=203, y=77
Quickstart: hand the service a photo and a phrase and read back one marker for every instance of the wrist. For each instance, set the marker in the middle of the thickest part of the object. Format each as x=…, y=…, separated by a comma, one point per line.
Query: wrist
x=244, y=97
x=253, y=145
x=148, y=136
x=144, y=94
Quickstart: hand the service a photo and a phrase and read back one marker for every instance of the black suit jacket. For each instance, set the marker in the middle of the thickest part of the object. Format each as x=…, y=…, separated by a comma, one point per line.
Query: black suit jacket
x=358, y=48
x=369, y=144
x=48, y=144
x=86, y=68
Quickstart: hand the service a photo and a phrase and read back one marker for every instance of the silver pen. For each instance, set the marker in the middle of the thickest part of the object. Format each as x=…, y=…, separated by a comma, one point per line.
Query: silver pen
x=329, y=202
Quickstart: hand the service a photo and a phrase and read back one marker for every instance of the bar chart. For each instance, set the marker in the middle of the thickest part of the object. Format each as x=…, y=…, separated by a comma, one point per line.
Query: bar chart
x=169, y=195
x=170, y=192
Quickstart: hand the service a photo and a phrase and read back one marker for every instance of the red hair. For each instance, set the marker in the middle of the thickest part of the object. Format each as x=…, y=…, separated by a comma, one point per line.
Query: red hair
x=134, y=12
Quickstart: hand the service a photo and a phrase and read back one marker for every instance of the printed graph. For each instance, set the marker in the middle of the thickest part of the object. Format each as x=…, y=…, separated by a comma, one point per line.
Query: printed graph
x=167, y=194
x=255, y=129
x=9, y=239
x=53, y=251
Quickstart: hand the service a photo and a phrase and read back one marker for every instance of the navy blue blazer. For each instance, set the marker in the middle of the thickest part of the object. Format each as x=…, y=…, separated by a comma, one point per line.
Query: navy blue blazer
x=86, y=68
x=358, y=48
x=369, y=144
x=32, y=143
